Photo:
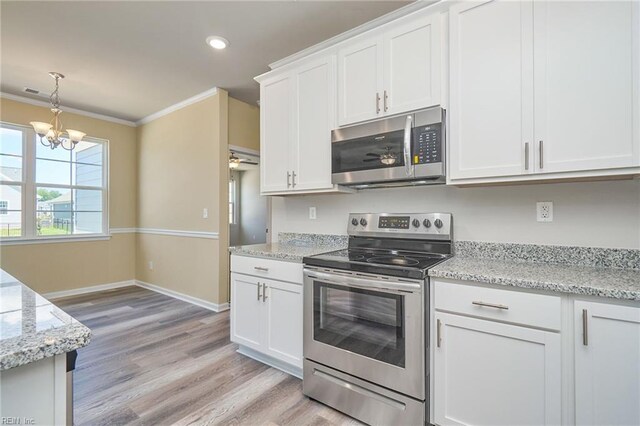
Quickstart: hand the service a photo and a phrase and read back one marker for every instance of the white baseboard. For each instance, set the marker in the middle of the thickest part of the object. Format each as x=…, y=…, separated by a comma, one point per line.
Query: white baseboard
x=184, y=297
x=272, y=362
x=216, y=307
x=85, y=290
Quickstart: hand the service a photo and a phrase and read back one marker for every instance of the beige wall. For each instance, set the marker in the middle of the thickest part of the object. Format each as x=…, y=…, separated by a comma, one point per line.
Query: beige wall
x=182, y=170
x=244, y=125
x=63, y=266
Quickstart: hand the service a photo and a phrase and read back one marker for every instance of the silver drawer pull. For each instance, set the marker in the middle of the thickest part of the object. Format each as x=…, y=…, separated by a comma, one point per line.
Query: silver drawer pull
x=490, y=305
x=261, y=268
x=585, y=329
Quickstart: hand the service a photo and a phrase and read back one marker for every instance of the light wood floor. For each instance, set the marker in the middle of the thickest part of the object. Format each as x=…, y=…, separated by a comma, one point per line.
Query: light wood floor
x=156, y=360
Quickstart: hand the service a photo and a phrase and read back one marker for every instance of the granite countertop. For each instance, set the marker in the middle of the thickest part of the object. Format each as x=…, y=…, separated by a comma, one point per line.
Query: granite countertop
x=293, y=247
x=32, y=328
x=575, y=277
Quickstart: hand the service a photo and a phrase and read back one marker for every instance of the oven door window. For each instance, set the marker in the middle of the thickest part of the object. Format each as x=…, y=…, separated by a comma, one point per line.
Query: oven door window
x=368, y=153
x=366, y=322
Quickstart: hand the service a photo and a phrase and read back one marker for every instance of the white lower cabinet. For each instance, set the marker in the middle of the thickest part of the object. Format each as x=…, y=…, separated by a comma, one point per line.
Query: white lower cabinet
x=266, y=317
x=607, y=364
x=489, y=373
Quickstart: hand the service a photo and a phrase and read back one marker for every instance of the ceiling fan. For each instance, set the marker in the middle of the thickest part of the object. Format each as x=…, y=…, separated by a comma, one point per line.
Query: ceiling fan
x=387, y=157
x=234, y=161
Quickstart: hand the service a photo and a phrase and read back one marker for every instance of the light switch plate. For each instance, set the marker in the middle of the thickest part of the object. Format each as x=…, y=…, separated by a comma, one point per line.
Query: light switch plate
x=205, y=213
x=312, y=213
x=544, y=211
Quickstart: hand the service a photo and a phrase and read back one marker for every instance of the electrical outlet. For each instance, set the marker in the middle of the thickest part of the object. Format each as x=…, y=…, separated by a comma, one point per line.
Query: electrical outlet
x=312, y=213
x=205, y=213
x=151, y=265
x=544, y=211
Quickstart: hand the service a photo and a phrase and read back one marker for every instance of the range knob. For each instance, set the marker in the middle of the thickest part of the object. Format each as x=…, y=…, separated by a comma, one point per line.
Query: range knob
x=438, y=223
x=354, y=221
x=415, y=223
x=426, y=223
x=363, y=222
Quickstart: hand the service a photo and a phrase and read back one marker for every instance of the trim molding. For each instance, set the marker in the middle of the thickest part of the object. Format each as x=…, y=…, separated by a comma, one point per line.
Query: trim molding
x=172, y=232
x=185, y=298
x=178, y=233
x=192, y=100
x=45, y=104
x=90, y=289
x=216, y=307
x=370, y=25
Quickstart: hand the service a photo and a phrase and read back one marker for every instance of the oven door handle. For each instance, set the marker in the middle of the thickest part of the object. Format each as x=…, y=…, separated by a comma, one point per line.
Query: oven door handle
x=365, y=283
x=407, y=146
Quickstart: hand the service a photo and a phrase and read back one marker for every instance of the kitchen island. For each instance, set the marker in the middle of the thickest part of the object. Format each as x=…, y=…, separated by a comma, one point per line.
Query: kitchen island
x=38, y=343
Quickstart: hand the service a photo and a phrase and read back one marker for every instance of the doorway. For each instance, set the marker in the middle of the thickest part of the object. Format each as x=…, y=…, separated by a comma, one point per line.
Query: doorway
x=248, y=210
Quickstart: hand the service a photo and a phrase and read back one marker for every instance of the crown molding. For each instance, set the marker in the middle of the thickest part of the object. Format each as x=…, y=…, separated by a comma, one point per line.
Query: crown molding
x=367, y=26
x=45, y=104
x=192, y=100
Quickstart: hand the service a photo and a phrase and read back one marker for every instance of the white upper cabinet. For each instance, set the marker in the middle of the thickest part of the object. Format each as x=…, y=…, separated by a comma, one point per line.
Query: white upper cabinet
x=276, y=133
x=607, y=364
x=491, y=101
x=543, y=87
x=297, y=110
x=391, y=72
x=315, y=107
x=412, y=64
x=586, y=86
x=359, y=81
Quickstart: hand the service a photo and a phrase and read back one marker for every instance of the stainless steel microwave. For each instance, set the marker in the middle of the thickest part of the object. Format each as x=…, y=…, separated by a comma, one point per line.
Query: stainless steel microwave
x=403, y=150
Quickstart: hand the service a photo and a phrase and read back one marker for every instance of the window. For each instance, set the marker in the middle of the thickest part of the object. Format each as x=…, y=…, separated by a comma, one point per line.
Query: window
x=56, y=193
x=232, y=201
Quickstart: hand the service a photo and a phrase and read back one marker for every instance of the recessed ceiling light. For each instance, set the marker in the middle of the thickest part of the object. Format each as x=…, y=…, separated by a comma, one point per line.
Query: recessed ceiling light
x=217, y=42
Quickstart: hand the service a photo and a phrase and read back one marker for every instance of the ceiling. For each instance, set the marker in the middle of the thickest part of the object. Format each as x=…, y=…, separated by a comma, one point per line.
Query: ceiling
x=129, y=59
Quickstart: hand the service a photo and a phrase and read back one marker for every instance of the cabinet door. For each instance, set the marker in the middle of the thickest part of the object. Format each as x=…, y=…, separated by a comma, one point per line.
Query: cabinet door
x=412, y=66
x=275, y=133
x=586, y=85
x=607, y=364
x=488, y=373
x=247, y=312
x=491, y=105
x=284, y=321
x=315, y=106
x=360, y=81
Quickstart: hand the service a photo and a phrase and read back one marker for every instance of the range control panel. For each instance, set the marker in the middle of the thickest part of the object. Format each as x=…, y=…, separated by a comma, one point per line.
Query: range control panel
x=427, y=144
x=402, y=225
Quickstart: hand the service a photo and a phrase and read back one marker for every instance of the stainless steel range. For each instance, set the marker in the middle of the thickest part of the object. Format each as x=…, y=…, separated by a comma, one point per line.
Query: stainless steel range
x=366, y=313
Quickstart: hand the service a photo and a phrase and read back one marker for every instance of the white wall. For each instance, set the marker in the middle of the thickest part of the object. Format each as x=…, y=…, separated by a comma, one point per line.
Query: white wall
x=597, y=214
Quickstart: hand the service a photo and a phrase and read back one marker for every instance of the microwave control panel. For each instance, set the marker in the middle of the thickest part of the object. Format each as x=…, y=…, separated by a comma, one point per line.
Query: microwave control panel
x=427, y=144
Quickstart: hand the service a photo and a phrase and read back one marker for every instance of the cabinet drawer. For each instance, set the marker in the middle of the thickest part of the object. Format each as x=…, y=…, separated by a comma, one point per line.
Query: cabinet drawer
x=536, y=310
x=267, y=268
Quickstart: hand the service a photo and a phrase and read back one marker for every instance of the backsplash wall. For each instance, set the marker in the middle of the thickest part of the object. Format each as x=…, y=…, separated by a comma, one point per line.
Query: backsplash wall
x=589, y=214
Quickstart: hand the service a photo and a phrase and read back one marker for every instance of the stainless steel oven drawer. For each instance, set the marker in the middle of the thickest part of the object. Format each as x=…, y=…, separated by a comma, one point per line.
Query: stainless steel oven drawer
x=363, y=400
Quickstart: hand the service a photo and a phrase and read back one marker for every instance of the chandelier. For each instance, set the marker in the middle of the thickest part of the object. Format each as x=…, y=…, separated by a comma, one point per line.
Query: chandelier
x=51, y=134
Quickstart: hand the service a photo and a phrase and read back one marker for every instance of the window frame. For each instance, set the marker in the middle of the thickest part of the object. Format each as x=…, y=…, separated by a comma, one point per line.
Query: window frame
x=29, y=233
x=233, y=204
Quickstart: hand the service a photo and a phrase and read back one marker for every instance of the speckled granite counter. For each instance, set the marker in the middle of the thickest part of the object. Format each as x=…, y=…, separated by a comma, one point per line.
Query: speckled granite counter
x=32, y=328
x=506, y=265
x=293, y=247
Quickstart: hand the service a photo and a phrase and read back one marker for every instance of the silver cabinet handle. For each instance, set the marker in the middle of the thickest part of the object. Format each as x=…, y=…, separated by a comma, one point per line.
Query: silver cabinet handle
x=438, y=333
x=264, y=292
x=541, y=148
x=261, y=268
x=585, y=329
x=386, y=97
x=526, y=156
x=288, y=180
x=293, y=178
x=408, y=168
x=490, y=305
x=258, y=291
x=377, y=103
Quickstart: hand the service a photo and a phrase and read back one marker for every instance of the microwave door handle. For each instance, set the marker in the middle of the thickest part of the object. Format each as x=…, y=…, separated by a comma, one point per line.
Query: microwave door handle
x=407, y=146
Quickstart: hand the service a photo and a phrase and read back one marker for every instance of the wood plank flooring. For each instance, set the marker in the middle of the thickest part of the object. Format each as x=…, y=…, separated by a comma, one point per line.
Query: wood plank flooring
x=155, y=360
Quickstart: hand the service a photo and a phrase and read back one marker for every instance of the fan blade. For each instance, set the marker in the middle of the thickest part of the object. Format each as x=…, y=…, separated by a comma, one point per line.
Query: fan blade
x=371, y=159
